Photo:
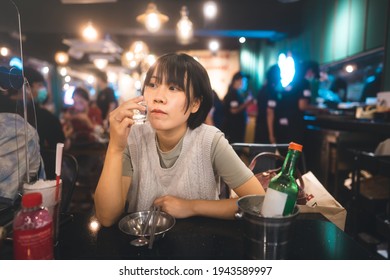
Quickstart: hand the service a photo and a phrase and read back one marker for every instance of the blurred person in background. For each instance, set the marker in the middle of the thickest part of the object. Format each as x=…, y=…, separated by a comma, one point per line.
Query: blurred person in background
x=264, y=129
x=235, y=109
x=339, y=87
x=106, y=100
x=312, y=75
x=48, y=125
x=82, y=119
x=289, y=108
x=216, y=114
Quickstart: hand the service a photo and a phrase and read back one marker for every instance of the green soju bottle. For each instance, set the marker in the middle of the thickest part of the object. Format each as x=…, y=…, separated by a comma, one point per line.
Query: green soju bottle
x=282, y=191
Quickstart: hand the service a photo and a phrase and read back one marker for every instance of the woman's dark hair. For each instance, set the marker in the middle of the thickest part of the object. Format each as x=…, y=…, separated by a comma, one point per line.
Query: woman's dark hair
x=81, y=92
x=187, y=73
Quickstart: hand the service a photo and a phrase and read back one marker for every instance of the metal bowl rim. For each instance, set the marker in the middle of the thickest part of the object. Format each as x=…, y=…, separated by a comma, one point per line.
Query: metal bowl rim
x=137, y=214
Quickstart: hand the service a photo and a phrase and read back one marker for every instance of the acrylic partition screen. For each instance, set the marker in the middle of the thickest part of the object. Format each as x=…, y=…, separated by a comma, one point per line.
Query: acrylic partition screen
x=11, y=63
x=10, y=47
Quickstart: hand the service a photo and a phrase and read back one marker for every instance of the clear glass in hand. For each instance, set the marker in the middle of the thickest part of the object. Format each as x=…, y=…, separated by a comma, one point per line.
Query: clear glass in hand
x=140, y=117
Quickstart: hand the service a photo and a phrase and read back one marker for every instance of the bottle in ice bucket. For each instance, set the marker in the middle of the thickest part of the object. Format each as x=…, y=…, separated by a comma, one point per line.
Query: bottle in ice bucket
x=282, y=191
x=33, y=230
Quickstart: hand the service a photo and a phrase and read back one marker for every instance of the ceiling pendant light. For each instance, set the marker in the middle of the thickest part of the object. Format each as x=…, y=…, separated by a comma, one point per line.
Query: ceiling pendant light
x=184, y=27
x=152, y=18
x=61, y=58
x=89, y=32
x=100, y=63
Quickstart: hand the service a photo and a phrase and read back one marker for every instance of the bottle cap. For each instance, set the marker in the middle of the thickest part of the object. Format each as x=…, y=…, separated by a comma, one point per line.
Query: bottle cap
x=295, y=146
x=33, y=199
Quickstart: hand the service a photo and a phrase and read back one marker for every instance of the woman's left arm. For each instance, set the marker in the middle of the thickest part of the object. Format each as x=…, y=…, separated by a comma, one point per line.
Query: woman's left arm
x=221, y=209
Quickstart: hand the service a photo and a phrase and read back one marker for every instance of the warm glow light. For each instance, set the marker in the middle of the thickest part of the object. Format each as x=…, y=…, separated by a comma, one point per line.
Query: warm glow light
x=100, y=63
x=210, y=10
x=138, y=47
x=152, y=23
x=152, y=18
x=137, y=55
x=242, y=40
x=129, y=55
x=184, y=28
x=214, y=45
x=61, y=58
x=138, y=50
x=45, y=70
x=67, y=79
x=150, y=59
x=90, y=79
x=138, y=84
x=4, y=51
x=63, y=71
x=89, y=32
x=349, y=68
x=112, y=77
x=94, y=225
x=133, y=64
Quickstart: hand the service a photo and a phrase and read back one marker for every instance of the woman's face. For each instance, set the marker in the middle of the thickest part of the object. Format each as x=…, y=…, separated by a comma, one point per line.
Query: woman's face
x=237, y=84
x=167, y=105
x=80, y=104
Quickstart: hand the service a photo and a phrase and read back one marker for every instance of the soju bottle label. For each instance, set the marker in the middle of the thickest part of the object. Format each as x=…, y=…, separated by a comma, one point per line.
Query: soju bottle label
x=274, y=203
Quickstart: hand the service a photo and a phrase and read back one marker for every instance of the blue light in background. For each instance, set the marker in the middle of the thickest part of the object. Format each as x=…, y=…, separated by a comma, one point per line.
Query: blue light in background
x=16, y=62
x=68, y=96
x=287, y=68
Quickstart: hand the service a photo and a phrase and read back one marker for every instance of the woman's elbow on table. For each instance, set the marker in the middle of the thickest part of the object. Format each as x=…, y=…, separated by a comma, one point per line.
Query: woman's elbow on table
x=105, y=220
x=107, y=215
x=252, y=186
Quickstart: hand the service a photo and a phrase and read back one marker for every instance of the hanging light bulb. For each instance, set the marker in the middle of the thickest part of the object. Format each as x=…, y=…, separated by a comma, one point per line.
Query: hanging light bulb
x=100, y=63
x=61, y=58
x=184, y=28
x=152, y=18
x=136, y=53
x=210, y=10
x=4, y=51
x=89, y=32
x=214, y=45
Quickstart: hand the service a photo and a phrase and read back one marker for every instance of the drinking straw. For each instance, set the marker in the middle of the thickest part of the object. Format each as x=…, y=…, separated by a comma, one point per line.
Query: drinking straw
x=60, y=147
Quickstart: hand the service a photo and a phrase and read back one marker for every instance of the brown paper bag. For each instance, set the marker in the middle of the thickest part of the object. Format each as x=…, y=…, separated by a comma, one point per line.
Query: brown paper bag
x=319, y=200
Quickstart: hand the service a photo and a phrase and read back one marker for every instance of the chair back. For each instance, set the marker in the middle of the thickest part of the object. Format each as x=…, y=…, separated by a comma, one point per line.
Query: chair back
x=69, y=174
x=251, y=150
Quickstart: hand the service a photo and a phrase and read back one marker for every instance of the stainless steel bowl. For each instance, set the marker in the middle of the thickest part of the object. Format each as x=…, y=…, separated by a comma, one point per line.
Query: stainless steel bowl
x=133, y=224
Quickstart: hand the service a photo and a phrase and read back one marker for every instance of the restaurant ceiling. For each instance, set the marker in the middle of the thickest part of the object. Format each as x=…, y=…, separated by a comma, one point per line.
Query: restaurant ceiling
x=47, y=24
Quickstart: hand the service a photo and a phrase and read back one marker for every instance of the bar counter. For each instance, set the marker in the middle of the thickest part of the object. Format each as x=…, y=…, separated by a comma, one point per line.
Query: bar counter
x=349, y=123
x=313, y=237
x=328, y=137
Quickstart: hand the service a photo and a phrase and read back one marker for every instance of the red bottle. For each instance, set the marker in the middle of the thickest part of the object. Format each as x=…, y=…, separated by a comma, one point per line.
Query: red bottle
x=33, y=230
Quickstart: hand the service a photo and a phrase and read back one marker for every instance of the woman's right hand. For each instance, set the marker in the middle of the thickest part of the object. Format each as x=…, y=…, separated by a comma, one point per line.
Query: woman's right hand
x=121, y=120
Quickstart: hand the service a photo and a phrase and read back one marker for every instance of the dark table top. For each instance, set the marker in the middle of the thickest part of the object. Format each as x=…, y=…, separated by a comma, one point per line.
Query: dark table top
x=312, y=237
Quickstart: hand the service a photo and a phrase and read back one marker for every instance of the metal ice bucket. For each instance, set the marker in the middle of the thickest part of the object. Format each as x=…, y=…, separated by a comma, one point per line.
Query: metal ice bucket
x=264, y=238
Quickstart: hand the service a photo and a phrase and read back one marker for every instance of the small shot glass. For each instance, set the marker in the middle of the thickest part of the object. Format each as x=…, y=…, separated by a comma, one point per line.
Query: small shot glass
x=140, y=117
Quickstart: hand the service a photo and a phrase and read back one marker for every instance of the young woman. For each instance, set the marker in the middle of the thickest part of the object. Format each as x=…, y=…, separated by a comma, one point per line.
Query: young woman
x=174, y=160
